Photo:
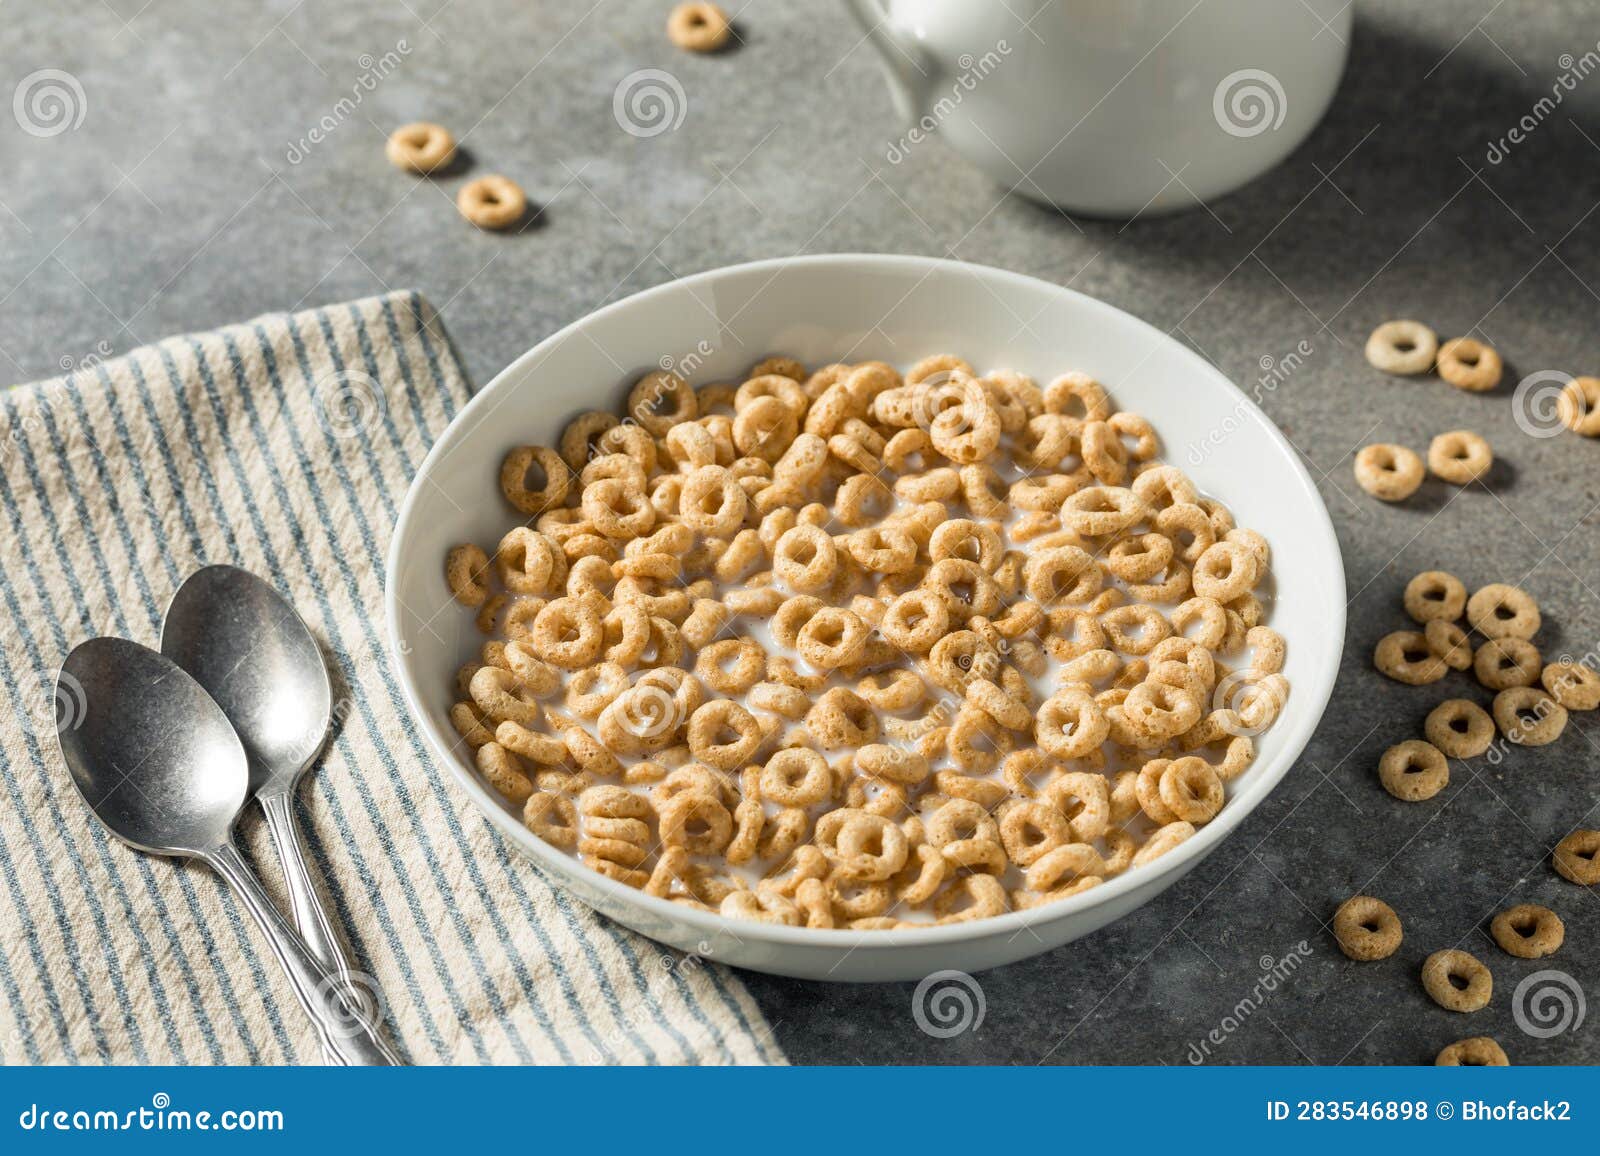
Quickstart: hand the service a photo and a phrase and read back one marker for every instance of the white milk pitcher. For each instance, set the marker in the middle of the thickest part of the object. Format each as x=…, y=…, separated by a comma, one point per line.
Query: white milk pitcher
x=1110, y=107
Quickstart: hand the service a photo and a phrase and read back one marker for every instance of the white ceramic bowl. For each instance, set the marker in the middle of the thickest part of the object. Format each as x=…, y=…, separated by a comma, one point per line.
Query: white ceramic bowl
x=858, y=307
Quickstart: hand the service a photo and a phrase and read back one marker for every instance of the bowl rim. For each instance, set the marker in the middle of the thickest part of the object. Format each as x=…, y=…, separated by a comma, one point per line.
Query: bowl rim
x=1173, y=864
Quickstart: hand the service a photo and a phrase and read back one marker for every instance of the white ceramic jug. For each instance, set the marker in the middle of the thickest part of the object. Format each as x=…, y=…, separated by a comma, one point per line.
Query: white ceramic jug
x=1111, y=107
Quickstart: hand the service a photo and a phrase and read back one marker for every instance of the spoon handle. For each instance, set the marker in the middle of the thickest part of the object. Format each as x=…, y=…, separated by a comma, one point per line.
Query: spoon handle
x=346, y=1032
x=305, y=902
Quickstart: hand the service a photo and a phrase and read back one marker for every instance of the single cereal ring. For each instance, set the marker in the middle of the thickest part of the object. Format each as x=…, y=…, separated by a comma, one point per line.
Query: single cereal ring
x=1528, y=931
x=1529, y=717
x=1077, y=391
x=1577, y=858
x=515, y=470
x=660, y=400
x=503, y=772
x=1502, y=611
x=1070, y=724
x=1457, y=980
x=1473, y=1052
x=1096, y=510
x=842, y=719
x=723, y=735
x=465, y=568
x=699, y=27
x=1469, y=364
x=492, y=202
x=1459, y=728
x=1459, y=457
x=1507, y=662
x=1405, y=656
x=1403, y=348
x=420, y=147
x=1389, y=473
x=554, y=818
x=1192, y=790
x=1413, y=770
x=1367, y=928
x=1164, y=839
x=1435, y=594
x=1226, y=571
x=697, y=822
x=1573, y=685
x=1030, y=830
x=1449, y=642
x=731, y=665
x=1579, y=406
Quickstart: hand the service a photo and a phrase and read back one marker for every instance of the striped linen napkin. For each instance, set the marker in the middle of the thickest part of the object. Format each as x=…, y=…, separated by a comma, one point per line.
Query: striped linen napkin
x=285, y=446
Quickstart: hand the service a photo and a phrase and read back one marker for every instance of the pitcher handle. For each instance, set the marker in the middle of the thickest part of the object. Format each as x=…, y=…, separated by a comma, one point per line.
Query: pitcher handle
x=905, y=65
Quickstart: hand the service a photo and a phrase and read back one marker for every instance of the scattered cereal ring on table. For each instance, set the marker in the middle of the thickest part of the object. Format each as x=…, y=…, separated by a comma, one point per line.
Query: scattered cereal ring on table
x=1413, y=771
x=1389, y=473
x=1506, y=662
x=1528, y=716
x=1528, y=931
x=699, y=27
x=1459, y=728
x=1473, y=1052
x=1449, y=642
x=1405, y=656
x=1367, y=928
x=1502, y=611
x=492, y=202
x=1469, y=364
x=1573, y=685
x=1459, y=457
x=1578, y=406
x=1457, y=981
x=420, y=147
x=1435, y=594
x=1404, y=348
x=1577, y=857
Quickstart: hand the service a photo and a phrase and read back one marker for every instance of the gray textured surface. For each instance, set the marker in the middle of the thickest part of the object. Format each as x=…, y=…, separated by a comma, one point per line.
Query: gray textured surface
x=173, y=207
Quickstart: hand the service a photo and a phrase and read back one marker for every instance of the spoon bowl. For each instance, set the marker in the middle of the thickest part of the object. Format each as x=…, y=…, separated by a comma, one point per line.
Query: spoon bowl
x=170, y=778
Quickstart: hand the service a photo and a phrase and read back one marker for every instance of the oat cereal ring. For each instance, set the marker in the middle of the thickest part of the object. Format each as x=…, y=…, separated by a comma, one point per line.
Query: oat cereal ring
x=1459, y=728
x=842, y=719
x=554, y=818
x=704, y=623
x=1185, y=520
x=629, y=440
x=529, y=562
x=1070, y=724
x=1502, y=611
x=765, y=428
x=464, y=570
x=592, y=689
x=1062, y=574
x=1474, y=1052
x=1404, y=348
x=1140, y=557
x=805, y=558
x=1135, y=629
x=965, y=588
x=1469, y=364
x=539, y=678
x=1457, y=981
x=1077, y=391
x=1578, y=406
x=503, y=772
x=501, y=696
x=1084, y=798
x=1507, y=662
x=832, y=638
x=1007, y=710
x=569, y=633
x=712, y=502
x=1405, y=656
x=660, y=400
x=540, y=749
x=896, y=690
x=731, y=666
x=1413, y=771
x=492, y=202
x=581, y=438
x=1167, y=838
x=1063, y=864
x=1192, y=790
x=791, y=617
x=1104, y=453
x=975, y=742
x=1529, y=717
x=891, y=764
x=937, y=365
x=1528, y=931
x=1366, y=928
x=1389, y=473
x=1449, y=642
x=870, y=849
x=468, y=722
x=519, y=464
x=697, y=822
x=1435, y=594
x=420, y=147
x=1573, y=685
x=1097, y=510
x=1577, y=857
x=1459, y=457
x=796, y=778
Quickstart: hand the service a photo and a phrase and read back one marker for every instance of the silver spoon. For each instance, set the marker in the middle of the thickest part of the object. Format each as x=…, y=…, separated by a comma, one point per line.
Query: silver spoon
x=158, y=763
x=238, y=638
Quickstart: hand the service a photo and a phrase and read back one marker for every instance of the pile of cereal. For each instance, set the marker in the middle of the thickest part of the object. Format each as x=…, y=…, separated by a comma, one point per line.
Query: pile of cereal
x=852, y=649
